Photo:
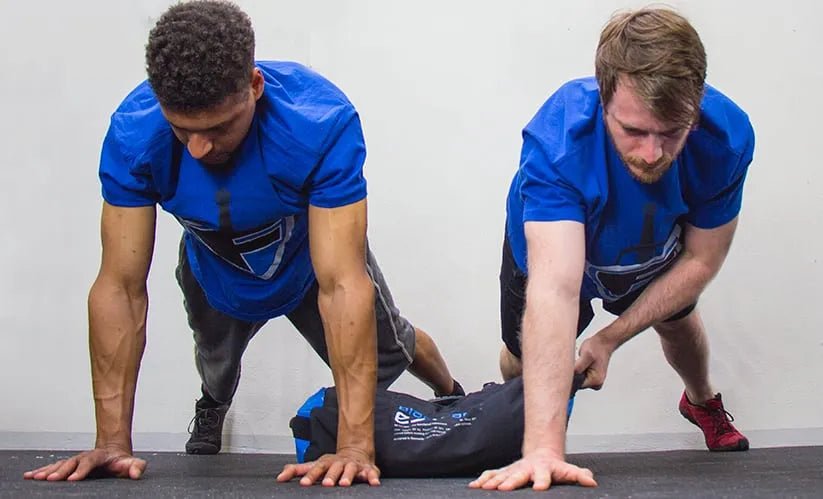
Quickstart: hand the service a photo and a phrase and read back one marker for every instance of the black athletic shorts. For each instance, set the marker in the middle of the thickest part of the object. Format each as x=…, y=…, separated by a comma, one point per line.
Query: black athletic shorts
x=513, y=302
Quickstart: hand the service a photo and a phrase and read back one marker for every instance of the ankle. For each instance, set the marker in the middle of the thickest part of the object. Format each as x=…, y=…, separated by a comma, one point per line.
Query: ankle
x=455, y=390
x=699, y=397
x=207, y=402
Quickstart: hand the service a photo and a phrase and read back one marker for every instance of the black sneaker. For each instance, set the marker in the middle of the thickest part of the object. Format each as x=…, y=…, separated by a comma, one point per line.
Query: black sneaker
x=456, y=393
x=458, y=390
x=206, y=429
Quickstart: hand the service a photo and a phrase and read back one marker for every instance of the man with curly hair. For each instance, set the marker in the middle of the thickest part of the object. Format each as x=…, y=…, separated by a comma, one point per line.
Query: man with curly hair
x=261, y=163
x=628, y=190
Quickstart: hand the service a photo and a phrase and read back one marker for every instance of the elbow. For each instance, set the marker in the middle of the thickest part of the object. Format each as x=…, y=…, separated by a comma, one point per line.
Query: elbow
x=112, y=298
x=554, y=298
x=704, y=270
x=562, y=292
x=106, y=287
x=355, y=286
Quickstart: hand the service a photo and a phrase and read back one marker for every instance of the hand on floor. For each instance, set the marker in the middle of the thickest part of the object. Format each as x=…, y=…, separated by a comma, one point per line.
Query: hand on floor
x=111, y=462
x=539, y=468
x=343, y=469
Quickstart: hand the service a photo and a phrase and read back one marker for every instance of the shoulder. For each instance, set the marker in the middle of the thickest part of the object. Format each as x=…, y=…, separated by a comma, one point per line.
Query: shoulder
x=295, y=83
x=567, y=121
x=723, y=124
x=302, y=105
x=138, y=127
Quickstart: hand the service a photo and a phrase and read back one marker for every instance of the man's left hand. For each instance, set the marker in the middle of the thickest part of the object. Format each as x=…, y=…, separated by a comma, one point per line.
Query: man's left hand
x=343, y=469
x=593, y=360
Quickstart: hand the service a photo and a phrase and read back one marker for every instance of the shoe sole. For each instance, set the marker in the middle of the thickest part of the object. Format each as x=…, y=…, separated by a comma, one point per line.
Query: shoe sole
x=201, y=449
x=740, y=446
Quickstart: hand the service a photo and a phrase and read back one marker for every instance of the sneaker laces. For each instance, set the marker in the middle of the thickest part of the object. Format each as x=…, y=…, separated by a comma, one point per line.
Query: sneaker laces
x=722, y=420
x=204, y=421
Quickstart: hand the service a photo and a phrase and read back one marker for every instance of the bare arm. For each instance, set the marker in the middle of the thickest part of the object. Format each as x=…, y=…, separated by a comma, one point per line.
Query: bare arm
x=118, y=304
x=556, y=253
x=117, y=337
x=703, y=255
x=337, y=239
x=346, y=302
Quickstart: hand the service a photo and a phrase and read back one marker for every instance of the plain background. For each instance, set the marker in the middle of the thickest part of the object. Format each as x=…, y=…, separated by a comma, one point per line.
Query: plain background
x=443, y=89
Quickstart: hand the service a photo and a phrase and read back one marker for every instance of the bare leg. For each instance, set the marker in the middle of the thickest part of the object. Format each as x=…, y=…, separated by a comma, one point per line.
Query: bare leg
x=686, y=348
x=428, y=365
x=510, y=366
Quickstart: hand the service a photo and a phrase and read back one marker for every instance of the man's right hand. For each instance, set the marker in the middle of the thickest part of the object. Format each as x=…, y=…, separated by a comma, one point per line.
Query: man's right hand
x=540, y=468
x=110, y=462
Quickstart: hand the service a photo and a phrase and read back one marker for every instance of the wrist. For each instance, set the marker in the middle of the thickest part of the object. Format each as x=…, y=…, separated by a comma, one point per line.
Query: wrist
x=550, y=443
x=113, y=440
x=114, y=446
x=549, y=452
x=611, y=337
x=361, y=442
x=362, y=451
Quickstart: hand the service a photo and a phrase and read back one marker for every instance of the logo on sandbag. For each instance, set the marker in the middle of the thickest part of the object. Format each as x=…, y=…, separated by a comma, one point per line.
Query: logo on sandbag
x=408, y=415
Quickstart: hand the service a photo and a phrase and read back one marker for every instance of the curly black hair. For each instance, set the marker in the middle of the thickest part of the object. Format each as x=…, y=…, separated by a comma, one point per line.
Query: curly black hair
x=200, y=53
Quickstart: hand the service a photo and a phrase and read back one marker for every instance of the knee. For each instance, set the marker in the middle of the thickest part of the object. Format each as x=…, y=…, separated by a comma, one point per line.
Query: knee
x=688, y=328
x=423, y=344
x=510, y=365
x=422, y=339
x=665, y=329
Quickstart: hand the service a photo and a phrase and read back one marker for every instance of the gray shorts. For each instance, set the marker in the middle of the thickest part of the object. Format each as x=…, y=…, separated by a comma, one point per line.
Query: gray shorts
x=220, y=339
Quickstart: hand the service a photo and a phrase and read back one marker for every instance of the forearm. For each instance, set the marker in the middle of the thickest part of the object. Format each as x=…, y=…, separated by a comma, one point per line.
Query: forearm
x=347, y=309
x=117, y=338
x=676, y=289
x=549, y=329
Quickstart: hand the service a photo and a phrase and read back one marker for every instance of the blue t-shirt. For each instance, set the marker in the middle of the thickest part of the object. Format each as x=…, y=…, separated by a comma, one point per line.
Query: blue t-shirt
x=570, y=170
x=246, y=228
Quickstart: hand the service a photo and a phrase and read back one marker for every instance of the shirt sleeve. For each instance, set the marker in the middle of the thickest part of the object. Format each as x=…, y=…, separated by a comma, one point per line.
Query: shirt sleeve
x=548, y=195
x=124, y=181
x=338, y=179
x=726, y=197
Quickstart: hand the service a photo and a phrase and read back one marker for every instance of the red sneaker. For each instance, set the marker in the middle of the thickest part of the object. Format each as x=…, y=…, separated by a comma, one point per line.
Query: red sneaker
x=716, y=423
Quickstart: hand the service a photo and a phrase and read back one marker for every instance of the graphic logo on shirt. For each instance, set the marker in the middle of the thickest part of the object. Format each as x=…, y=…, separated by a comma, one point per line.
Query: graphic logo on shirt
x=257, y=251
x=616, y=281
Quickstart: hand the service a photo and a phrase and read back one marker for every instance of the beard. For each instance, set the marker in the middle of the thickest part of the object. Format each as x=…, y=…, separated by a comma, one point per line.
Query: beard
x=219, y=163
x=647, y=173
x=639, y=169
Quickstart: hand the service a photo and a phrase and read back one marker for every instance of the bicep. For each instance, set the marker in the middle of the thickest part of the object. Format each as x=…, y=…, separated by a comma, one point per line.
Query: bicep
x=556, y=253
x=128, y=243
x=337, y=241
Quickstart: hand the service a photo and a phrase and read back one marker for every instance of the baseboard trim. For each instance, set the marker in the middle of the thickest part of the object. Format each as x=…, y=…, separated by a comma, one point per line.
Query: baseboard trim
x=272, y=444
x=144, y=442
x=645, y=442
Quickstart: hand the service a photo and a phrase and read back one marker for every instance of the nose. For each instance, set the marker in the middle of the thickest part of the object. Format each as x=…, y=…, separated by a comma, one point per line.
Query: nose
x=199, y=146
x=651, y=149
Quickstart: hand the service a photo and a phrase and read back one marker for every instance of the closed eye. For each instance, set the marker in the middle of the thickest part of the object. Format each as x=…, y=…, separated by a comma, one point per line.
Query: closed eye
x=215, y=130
x=635, y=132
x=673, y=133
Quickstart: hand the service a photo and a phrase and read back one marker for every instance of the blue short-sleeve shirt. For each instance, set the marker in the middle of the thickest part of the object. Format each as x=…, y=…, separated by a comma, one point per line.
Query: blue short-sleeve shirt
x=570, y=170
x=246, y=230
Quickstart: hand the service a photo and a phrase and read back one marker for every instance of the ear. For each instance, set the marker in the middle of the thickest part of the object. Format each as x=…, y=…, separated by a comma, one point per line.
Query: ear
x=258, y=83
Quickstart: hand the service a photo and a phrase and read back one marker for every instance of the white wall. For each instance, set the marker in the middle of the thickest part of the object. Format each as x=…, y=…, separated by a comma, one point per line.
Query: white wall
x=443, y=89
